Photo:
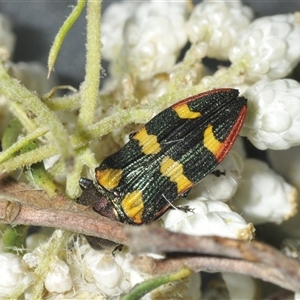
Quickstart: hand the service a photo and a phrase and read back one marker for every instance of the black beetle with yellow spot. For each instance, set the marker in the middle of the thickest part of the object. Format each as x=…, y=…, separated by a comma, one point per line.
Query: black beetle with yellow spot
x=166, y=157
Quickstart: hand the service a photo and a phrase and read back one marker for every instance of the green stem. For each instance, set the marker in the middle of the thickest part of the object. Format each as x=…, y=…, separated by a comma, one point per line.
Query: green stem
x=90, y=86
x=10, y=135
x=13, y=238
x=38, y=175
x=21, y=115
x=94, y=131
x=31, y=104
x=84, y=156
x=62, y=34
x=10, y=151
x=67, y=102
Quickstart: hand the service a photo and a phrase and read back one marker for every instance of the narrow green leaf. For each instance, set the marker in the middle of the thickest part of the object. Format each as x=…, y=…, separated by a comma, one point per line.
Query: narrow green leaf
x=62, y=34
x=147, y=286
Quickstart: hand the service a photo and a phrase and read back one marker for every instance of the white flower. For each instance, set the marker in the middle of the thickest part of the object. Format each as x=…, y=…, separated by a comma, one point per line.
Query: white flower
x=105, y=271
x=218, y=24
x=13, y=274
x=58, y=279
x=269, y=48
x=84, y=285
x=263, y=196
x=223, y=187
x=154, y=37
x=206, y=217
x=101, y=274
x=273, y=116
x=287, y=164
x=143, y=38
x=113, y=22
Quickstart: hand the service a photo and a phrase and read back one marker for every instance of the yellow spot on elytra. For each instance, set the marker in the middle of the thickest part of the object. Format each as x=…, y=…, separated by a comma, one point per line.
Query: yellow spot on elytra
x=133, y=206
x=184, y=112
x=174, y=170
x=148, y=142
x=211, y=143
x=109, y=178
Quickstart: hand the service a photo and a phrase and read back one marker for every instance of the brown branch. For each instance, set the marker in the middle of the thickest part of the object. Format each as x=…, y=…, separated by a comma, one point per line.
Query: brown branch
x=21, y=204
x=213, y=264
x=226, y=255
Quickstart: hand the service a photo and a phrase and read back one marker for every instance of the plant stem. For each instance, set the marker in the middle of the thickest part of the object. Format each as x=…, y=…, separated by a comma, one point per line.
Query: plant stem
x=41, y=114
x=90, y=86
x=106, y=125
x=62, y=34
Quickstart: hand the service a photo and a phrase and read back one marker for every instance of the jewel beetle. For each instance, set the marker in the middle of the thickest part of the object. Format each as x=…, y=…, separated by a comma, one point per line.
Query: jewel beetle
x=165, y=158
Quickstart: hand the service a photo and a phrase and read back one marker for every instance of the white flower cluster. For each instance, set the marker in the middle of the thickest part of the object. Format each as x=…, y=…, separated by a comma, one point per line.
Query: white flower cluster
x=287, y=163
x=218, y=24
x=153, y=34
x=86, y=274
x=58, y=279
x=269, y=48
x=263, y=196
x=13, y=274
x=206, y=217
x=273, y=117
x=114, y=275
x=113, y=20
